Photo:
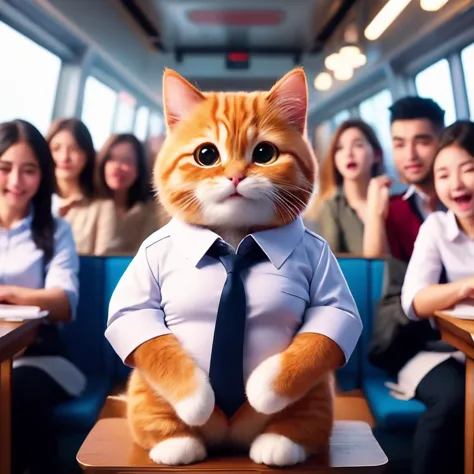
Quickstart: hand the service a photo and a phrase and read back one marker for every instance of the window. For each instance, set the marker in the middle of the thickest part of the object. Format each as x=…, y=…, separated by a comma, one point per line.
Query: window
x=141, y=123
x=340, y=117
x=467, y=58
x=322, y=139
x=28, y=80
x=157, y=126
x=435, y=82
x=375, y=111
x=125, y=113
x=98, y=110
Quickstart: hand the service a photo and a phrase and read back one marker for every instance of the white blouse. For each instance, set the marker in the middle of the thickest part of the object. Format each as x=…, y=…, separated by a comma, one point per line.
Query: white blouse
x=440, y=243
x=21, y=264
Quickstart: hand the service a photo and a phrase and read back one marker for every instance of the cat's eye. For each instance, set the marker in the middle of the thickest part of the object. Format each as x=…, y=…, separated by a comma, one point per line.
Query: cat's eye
x=265, y=153
x=207, y=155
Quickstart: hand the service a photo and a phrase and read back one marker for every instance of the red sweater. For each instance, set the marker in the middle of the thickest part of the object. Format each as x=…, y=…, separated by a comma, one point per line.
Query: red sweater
x=402, y=226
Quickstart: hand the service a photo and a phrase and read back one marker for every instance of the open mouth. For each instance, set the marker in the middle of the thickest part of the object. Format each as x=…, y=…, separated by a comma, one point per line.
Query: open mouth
x=463, y=201
x=351, y=166
x=235, y=196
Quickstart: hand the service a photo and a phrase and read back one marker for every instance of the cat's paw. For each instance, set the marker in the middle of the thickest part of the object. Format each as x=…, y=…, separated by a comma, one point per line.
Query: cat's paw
x=196, y=409
x=276, y=450
x=178, y=451
x=259, y=387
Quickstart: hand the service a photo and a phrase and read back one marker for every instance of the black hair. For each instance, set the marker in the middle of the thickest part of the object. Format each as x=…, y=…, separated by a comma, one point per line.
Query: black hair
x=84, y=141
x=139, y=191
x=42, y=227
x=461, y=134
x=414, y=107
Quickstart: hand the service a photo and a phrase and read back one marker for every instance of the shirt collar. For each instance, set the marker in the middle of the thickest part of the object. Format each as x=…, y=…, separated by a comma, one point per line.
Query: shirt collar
x=22, y=224
x=412, y=190
x=452, y=228
x=278, y=244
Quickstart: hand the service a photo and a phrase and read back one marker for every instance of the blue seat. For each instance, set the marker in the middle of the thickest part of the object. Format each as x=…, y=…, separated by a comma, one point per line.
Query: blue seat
x=391, y=413
x=114, y=269
x=356, y=274
x=87, y=348
x=80, y=414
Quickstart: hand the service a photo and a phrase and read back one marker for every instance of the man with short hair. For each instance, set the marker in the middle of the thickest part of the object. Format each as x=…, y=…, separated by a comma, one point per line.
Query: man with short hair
x=416, y=124
x=437, y=381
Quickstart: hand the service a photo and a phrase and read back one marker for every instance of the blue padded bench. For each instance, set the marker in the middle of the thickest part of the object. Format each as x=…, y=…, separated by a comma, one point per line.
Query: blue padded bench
x=87, y=348
x=389, y=413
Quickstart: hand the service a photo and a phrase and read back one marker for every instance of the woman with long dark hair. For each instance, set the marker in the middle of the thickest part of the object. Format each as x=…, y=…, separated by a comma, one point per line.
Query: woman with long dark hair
x=350, y=186
x=39, y=267
x=93, y=220
x=123, y=176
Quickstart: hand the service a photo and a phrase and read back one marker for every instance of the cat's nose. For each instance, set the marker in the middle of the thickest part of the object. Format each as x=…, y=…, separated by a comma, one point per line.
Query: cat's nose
x=237, y=179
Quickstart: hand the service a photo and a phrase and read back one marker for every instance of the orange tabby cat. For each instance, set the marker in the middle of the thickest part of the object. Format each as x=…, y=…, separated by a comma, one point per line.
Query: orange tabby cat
x=289, y=410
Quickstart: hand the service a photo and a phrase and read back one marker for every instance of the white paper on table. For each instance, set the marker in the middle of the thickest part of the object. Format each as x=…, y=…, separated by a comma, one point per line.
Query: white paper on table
x=461, y=311
x=354, y=445
x=10, y=312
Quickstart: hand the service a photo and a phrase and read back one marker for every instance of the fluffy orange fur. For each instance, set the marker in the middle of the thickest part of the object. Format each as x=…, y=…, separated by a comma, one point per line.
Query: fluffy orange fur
x=165, y=374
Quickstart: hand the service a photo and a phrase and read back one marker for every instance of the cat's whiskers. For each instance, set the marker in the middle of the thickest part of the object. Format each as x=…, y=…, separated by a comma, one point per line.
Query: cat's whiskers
x=289, y=194
x=281, y=203
x=188, y=200
x=285, y=184
x=283, y=196
x=291, y=208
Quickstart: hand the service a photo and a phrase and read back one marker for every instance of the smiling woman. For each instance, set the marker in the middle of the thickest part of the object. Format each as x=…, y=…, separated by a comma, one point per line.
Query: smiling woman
x=122, y=175
x=93, y=221
x=39, y=267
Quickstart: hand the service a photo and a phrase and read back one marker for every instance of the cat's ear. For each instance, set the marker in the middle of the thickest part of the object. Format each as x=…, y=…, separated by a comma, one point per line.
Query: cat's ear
x=179, y=97
x=290, y=96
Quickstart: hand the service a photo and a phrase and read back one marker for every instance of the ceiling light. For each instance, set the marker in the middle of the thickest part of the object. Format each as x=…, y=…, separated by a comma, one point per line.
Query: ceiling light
x=359, y=61
x=323, y=81
x=352, y=55
x=432, y=5
x=343, y=73
x=385, y=18
x=333, y=62
x=350, y=51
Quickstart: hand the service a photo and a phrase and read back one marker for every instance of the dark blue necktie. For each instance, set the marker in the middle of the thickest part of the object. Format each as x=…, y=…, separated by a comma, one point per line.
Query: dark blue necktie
x=226, y=370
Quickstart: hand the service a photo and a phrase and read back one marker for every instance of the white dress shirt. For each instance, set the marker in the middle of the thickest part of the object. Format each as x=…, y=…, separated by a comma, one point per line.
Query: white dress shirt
x=172, y=286
x=440, y=242
x=421, y=201
x=21, y=264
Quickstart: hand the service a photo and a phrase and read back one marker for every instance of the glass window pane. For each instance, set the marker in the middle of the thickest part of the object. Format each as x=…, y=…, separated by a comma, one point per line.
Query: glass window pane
x=435, y=82
x=157, y=126
x=125, y=113
x=98, y=110
x=322, y=138
x=28, y=79
x=141, y=123
x=374, y=111
x=340, y=117
x=467, y=58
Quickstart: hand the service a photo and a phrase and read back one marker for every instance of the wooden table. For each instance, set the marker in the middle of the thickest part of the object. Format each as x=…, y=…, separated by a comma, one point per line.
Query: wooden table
x=458, y=333
x=13, y=338
x=109, y=448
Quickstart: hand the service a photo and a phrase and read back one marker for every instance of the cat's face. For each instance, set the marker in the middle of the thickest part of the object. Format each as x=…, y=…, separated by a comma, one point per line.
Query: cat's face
x=235, y=160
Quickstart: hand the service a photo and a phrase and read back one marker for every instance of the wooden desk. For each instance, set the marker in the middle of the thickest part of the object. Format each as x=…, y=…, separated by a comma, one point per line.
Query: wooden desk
x=457, y=332
x=109, y=448
x=13, y=338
